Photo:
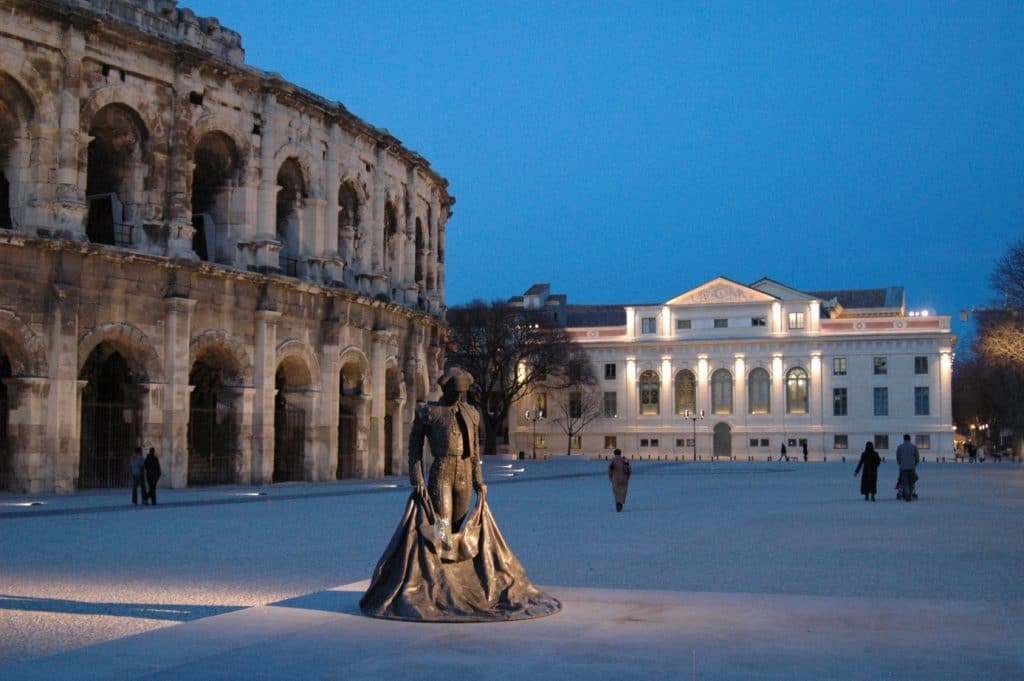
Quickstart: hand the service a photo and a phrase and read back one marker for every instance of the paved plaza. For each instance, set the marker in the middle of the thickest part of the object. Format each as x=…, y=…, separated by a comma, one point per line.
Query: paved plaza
x=712, y=571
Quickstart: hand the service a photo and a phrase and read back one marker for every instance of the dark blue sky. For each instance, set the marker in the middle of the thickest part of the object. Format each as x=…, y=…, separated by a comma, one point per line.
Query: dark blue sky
x=626, y=152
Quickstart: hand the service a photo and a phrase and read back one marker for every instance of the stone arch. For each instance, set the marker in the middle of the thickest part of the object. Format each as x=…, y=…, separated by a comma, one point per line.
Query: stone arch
x=135, y=345
x=353, y=398
x=231, y=353
x=210, y=123
x=24, y=348
x=353, y=360
x=302, y=157
x=44, y=100
x=116, y=94
x=218, y=166
x=17, y=116
x=301, y=363
x=296, y=380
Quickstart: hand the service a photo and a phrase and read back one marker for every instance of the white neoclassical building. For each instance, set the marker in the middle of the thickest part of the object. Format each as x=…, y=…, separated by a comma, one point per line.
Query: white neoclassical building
x=199, y=256
x=733, y=370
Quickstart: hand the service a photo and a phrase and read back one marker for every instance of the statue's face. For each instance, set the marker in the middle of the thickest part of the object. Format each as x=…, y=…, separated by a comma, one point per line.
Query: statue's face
x=459, y=383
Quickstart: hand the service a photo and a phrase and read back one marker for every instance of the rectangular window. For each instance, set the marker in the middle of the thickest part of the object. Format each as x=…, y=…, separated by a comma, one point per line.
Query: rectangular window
x=611, y=405
x=644, y=442
x=796, y=320
x=540, y=441
x=881, y=401
x=575, y=372
x=721, y=323
x=610, y=442
x=839, y=401
x=882, y=441
x=753, y=442
x=609, y=372
x=921, y=406
x=923, y=441
x=840, y=442
x=540, y=403
x=838, y=366
x=683, y=324
x=576, y=442
x=680, y=442
x=759, y=321
x=881, y=366
x=575, y=405
x=920, y=365
x=764, y=442
x=654, y=442
x=649, y=325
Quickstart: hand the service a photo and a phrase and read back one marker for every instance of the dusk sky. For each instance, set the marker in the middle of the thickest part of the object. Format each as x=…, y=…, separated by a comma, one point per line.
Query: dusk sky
x=627, y=152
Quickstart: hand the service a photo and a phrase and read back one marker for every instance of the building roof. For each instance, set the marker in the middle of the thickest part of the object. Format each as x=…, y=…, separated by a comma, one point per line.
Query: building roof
x=595, y=315
x=889, y=297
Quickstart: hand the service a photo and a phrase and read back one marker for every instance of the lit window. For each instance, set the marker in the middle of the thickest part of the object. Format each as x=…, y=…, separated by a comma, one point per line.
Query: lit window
x=540, y=441
x=540, y=403
x=721, y=392
x=611, y=405
x=921, y=406
x=610, y=442
x=796, y=391
x=840, y=442
x=923, y=441
x=920, y=365
x=838, y=366
x=686, y=392
x=649, y=388
x=609, y=372
x=796, y=320
x=648, y=325
x=680, y=442
x=882, y=441
x=683, y=324
x=721, y=323
x=881, y=365
x=881, y=401
x=576, y=442
x=839, y=402
x=759, y=391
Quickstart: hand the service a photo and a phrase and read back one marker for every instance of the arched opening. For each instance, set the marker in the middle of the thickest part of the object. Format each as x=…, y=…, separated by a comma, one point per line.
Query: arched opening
x=350, y=402
x=390, y=231
x=216, y=165
x=421, y=252
x=759, y=392
x=722, y=444
x=290, y=202
x=686, y=392
x=650, y=388
x=115, y=174
x=6, y=471
x=392, y=416
x=290, y=421
x=796, y=391
x=212, y=425
x=721, y=392
x=16, y=112
x=110, y=417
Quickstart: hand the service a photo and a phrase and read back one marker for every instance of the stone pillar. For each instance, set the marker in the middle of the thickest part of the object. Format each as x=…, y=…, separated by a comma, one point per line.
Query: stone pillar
x=378, y=402
x=69, y=207
x=362, y=453
x=63, y=411
x=399, y=456
x=240, y=401
x=34, y=468
x=265, y=391
x=174, y=434
x=267, y=201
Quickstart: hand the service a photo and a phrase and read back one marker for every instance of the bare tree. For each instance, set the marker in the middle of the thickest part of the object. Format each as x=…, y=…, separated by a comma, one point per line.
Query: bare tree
x=509, y=351
x=576, y=407
x=1008, y=276
x=1002, y=343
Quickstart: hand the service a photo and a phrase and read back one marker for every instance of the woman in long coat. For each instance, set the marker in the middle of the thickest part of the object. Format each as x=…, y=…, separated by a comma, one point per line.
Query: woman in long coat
x=869, y=461
x=619, y=472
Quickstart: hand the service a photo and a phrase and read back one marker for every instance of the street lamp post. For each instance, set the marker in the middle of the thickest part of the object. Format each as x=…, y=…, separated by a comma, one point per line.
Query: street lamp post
x=694, y=417
x=534, y=416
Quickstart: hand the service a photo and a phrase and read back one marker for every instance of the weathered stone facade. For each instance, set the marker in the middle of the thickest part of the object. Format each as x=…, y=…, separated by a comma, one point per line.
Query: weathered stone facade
x=198, y=256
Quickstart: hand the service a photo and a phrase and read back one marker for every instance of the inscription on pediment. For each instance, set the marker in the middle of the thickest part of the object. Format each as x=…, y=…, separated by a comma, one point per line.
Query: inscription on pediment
x=718, y=293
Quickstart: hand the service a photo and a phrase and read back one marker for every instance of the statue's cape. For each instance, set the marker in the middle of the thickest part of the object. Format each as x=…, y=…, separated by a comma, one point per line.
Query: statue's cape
x=476, y=579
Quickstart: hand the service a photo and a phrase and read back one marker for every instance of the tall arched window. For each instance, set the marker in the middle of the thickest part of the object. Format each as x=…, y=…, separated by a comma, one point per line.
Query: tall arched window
x=721, y=392
x=759, y=392
x=650, y=386
x=686, y=392
x=796, y=391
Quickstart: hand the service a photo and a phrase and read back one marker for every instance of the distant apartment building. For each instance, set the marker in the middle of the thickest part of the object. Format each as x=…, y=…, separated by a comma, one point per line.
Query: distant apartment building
x=727, y=370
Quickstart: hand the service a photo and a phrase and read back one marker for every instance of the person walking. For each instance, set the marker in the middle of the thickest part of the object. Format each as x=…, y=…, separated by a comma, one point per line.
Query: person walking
x=152, y=466
x=907, y=457
x=619, y=471
x=137, y=466
x=869, y=461
x=803, y=446
x=782, y=453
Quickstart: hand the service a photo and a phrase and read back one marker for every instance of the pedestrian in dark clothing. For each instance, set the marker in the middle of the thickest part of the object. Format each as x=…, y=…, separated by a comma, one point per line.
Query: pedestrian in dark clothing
x=152, y=466
x=907, y=457
x=803, y=446
x=619, y=471
x=782, y=453
x=137, y=466
x=869, y=461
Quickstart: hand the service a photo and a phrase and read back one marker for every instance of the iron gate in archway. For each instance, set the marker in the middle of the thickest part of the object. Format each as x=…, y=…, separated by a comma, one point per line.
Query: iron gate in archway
x=109, y=433
x=212, y=439
x=289, y=442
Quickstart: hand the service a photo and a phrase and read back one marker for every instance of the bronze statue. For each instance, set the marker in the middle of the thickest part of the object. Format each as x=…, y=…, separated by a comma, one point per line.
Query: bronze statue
x=443, y=565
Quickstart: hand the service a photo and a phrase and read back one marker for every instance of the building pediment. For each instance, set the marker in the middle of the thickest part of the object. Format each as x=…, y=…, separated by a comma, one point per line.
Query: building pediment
x=721, y=290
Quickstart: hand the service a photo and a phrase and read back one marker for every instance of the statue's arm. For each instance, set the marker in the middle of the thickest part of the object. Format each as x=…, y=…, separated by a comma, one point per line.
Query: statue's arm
x=416, y=436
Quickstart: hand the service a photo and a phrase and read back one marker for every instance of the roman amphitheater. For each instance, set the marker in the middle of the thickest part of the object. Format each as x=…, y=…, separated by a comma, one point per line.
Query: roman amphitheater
x=199, y=256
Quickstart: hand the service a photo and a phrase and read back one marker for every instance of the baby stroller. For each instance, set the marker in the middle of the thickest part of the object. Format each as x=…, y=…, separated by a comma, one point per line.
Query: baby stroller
x=913, y=488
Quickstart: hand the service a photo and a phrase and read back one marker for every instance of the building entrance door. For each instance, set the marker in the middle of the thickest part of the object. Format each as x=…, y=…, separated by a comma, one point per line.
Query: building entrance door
x=722, y=440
